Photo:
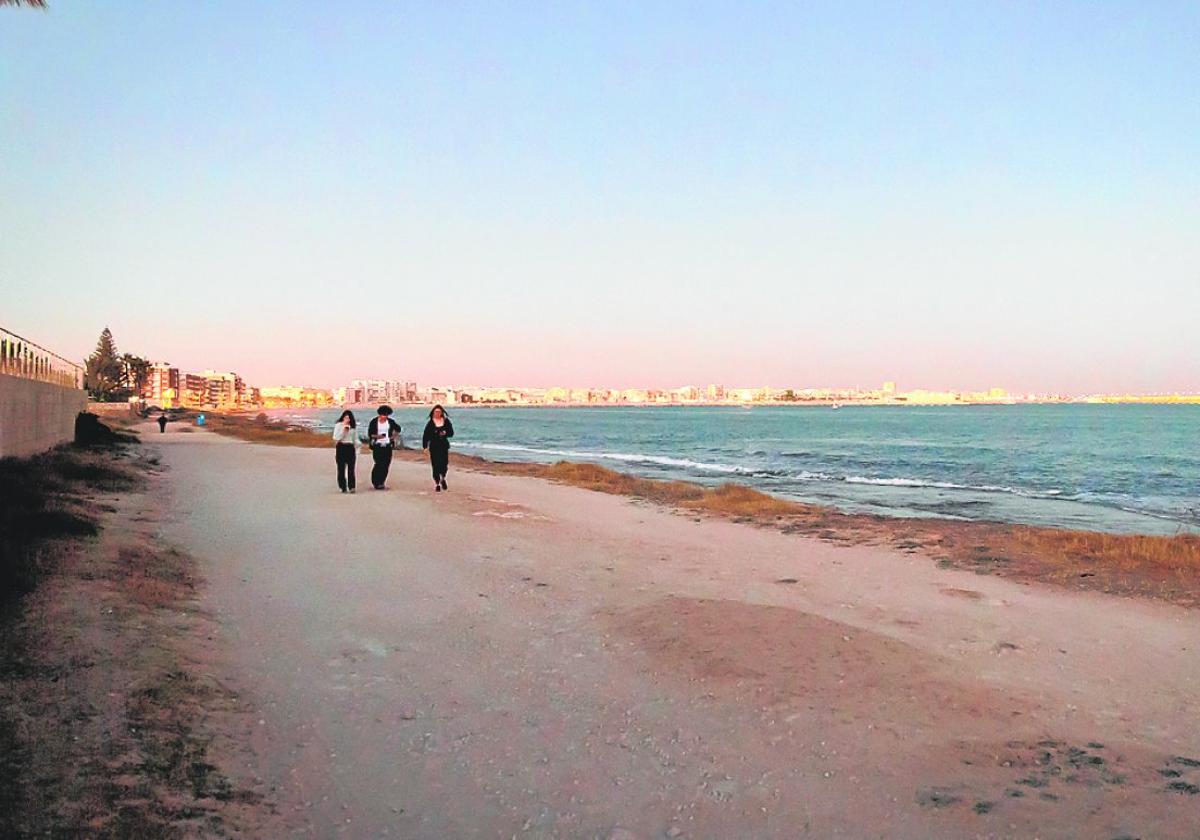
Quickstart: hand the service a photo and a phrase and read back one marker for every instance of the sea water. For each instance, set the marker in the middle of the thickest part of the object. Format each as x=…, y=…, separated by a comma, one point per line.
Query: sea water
x=1119, y=468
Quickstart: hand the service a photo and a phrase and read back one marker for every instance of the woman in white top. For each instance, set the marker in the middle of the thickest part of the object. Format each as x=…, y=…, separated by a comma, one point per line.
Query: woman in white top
x=345, y=438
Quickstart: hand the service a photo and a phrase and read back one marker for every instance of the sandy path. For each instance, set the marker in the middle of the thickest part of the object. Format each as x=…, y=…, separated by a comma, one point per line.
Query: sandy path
x=515, y=658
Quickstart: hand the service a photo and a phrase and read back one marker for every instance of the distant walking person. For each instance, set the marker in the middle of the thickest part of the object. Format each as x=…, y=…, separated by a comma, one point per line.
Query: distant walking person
x=162, y=423
x=345, y=440
x=436, y=441
x=383, y=432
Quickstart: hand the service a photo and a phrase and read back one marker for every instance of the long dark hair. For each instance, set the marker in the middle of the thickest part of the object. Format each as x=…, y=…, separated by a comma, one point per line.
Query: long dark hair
x=353, y=422
x=445, y=416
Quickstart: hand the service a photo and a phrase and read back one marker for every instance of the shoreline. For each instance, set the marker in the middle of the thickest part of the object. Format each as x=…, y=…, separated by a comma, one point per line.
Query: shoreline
x=1159, y=567
x=925, y=477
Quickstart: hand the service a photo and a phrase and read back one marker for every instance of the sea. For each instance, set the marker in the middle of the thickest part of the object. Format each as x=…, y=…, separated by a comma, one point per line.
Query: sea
x=1114, y=468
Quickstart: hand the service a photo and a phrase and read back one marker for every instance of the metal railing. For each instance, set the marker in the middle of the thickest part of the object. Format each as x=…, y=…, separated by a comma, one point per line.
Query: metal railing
x=30, y=360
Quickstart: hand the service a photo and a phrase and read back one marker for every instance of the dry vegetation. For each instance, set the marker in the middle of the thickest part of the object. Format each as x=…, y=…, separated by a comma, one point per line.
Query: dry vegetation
x=107, y=724
x=1166, y=568
x=41, y=505
x=260, y=430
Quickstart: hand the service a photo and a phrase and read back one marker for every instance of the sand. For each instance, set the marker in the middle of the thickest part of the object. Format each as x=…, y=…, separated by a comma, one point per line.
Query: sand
x=515, y=658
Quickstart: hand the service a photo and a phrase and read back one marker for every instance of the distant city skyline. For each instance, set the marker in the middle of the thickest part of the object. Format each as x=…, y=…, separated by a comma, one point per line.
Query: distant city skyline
x=570, y=382
x=169, y=386
x=165, y=386
x=952, y=196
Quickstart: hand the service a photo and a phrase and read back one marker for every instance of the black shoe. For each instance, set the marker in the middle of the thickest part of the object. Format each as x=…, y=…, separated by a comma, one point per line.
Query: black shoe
x=444, y=487
x=343, y=489
x=351, y=489
x=437, y=488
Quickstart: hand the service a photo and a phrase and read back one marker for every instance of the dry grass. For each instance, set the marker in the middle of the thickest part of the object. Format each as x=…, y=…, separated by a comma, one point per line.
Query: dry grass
x=733, y=500
x=1167, y=568
x=257, y=430
x=107, y=721
x=42, y=501
x=1181, y=553
x=158, y=577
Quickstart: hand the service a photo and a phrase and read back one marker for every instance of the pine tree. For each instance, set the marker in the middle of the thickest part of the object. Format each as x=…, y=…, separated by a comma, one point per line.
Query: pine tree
x=104, y=372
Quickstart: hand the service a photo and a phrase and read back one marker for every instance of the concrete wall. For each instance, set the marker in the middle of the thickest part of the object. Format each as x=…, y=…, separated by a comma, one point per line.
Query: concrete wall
x=35, y=416
x=117, y=410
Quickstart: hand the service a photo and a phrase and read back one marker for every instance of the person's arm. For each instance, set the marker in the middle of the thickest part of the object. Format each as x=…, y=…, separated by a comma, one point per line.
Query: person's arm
x=427, y=435
x=338, y=432
x=449, y=428
x=393, y=431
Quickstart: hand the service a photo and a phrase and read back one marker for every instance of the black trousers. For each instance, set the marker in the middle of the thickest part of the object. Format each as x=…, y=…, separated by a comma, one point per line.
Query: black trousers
x=347, y=454
x=383, y=463
x=439, y=460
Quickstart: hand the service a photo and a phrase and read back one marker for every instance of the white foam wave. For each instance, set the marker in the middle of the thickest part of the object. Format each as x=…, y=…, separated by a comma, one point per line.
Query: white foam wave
x=729, y=469
x=626, y=457
x=803, y=475
x=949, y=485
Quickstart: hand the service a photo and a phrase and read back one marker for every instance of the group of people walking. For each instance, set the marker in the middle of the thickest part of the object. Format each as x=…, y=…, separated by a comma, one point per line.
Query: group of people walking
x=383, y=433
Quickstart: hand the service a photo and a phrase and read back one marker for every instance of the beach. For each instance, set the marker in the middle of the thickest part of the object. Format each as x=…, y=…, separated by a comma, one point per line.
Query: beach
x=816, y=388
x=521, y=658
x=1113, y=468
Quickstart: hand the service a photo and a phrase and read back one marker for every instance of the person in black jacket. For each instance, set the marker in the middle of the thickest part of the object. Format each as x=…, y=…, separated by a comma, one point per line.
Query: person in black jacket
x=345, y=440
x=436, y=441
x=383, y=432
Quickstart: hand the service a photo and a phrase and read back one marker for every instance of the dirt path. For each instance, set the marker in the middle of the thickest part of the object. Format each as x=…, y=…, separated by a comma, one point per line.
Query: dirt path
x=515, y=658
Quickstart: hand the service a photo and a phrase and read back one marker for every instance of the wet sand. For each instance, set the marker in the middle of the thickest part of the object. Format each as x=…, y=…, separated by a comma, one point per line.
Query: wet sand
x=521, y=658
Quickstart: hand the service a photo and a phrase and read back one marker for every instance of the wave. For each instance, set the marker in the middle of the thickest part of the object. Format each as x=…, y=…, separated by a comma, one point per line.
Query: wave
x=949, y=485
x=731, y=469
x=626, y=457
x=779, y=479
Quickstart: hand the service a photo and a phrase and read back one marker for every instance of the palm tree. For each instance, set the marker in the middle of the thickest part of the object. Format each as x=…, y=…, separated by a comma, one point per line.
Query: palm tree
x=38, y=4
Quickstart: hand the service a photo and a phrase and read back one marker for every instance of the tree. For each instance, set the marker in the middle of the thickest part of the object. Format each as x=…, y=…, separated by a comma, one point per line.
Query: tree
x=135, y=373
x=35, y=4
x=103, y=371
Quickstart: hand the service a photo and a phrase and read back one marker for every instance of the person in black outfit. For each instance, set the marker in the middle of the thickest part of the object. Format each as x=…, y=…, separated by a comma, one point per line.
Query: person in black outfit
x=436, y=441
x=345, y=439
x=383, y=432
x=162, y=423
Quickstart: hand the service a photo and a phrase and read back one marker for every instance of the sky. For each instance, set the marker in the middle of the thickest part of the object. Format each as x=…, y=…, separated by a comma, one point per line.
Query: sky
x=947, y=195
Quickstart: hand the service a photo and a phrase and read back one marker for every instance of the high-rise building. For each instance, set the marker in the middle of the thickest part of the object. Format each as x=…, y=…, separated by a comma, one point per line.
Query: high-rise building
x=376, y=391
x=223, y=389
x=396, y=392
x=162, y=385
x=193, y=390
x=299, y=396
